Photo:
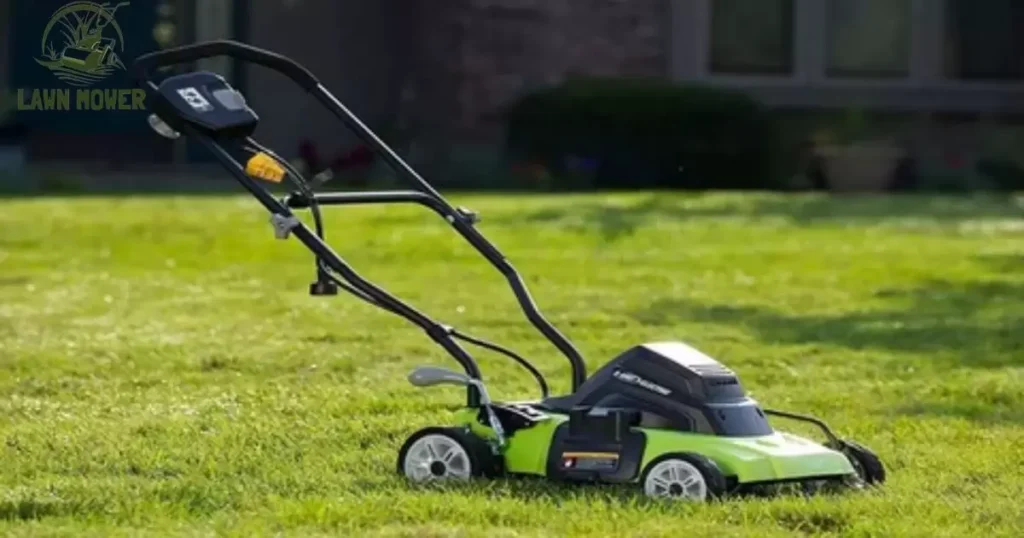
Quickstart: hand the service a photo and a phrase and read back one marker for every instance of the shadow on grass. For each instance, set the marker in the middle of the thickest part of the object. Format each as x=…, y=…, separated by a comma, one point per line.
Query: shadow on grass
x=1004, y=263
x=538, y=489
x=614, y=221
x=212, y=186
x=37, y=509
x=981, y=413
x=981, y=322
x=16, y=281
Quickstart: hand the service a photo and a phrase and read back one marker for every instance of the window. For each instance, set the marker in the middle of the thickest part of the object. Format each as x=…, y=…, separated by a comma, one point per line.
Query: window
x=213, y=20
x=984, y=39
x=868, y=38
x=752, y=36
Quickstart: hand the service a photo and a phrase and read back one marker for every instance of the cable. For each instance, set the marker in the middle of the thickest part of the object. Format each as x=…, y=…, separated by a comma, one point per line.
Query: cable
x=508, y=353
x=299, y=182
x=325, y=272
x=455, y=334
x=306, y=190
x=345, y=285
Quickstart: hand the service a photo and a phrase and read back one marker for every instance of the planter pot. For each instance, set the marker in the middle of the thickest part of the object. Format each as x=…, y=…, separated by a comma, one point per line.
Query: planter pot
x=860, y=168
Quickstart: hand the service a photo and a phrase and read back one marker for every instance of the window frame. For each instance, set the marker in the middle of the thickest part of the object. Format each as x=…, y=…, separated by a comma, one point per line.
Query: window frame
x=927, y=88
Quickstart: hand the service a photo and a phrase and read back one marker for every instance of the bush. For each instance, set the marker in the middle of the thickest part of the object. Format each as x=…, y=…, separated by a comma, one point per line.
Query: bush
x=647, y=134
x=1004, y=174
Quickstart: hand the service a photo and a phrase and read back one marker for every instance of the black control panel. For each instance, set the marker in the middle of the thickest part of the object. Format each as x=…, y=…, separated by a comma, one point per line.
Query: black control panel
x=206, y=102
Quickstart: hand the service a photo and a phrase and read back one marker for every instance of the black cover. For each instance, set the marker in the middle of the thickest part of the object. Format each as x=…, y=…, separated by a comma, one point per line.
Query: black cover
x=587, y=452
x=673, y=386
x=206, y=102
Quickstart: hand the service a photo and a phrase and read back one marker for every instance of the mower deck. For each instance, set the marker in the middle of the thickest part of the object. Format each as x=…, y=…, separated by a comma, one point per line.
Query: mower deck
x=547, y=448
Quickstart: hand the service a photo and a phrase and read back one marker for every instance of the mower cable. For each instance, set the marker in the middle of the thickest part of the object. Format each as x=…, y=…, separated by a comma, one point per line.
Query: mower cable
x=297, y=180
x=314, y=207
x=508, y=353
x=545, y=392
x=304, y=188
x=345, y=285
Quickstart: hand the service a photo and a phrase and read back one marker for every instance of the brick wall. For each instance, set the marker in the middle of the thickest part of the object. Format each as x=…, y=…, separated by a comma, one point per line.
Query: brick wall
x=474, y=56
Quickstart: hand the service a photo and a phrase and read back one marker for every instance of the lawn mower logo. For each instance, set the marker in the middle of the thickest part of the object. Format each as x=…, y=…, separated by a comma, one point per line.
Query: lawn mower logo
x=83, y=55
x=82, y=46
x=633, y=379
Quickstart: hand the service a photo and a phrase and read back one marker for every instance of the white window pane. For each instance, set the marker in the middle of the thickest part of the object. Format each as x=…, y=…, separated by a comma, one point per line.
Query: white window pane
x=752, y=36
x=984, y=39
x=214, y=21
x=869, y=38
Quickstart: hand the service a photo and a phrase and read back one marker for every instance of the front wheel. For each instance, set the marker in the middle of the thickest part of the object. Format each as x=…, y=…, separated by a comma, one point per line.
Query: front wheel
x=444, y=454
x=683, y=477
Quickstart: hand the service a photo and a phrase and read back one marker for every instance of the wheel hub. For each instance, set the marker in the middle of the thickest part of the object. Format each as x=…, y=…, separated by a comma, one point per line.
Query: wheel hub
x=676, y=479
x=437, y=457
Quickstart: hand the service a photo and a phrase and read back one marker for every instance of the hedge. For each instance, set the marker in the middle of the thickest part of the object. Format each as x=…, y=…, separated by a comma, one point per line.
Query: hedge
x=639, y=133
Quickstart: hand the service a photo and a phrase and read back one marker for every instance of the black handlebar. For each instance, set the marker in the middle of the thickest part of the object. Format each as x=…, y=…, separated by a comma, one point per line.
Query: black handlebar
x=191, y=53
x=426, y=195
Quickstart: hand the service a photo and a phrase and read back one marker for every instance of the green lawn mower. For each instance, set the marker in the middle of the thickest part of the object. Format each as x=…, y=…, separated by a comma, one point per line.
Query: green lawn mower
x=662, y=416
x=693, y=434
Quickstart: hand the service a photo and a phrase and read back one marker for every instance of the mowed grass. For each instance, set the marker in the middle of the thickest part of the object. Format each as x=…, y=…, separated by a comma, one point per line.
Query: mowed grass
x=163, y=370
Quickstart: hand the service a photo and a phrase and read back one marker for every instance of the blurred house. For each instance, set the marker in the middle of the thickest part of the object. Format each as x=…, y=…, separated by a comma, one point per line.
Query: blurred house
x=440, y=71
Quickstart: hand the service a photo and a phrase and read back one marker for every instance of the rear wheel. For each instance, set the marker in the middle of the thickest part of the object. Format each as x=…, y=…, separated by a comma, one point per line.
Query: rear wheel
x=444, y=454
x=683, y=477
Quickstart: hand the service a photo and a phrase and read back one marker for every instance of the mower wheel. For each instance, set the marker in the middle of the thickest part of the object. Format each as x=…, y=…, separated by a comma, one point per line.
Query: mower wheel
x=445, y=454
x=867, y=464
x=683, y=477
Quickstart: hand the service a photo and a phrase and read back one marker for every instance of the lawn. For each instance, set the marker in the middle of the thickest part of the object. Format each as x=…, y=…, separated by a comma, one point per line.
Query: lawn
x=163, y=370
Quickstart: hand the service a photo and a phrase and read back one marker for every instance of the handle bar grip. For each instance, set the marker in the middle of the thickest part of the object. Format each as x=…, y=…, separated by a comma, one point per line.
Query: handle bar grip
x=198, y=51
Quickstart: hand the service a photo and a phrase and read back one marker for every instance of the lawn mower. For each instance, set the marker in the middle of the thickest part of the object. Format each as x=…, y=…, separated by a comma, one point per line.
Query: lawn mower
x=662, y=416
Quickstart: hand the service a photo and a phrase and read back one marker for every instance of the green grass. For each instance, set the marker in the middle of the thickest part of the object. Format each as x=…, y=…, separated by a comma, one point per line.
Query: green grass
x=162, y=370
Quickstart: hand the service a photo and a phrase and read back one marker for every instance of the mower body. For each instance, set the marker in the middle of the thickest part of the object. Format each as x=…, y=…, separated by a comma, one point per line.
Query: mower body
x=653, y=401
x=547, y=449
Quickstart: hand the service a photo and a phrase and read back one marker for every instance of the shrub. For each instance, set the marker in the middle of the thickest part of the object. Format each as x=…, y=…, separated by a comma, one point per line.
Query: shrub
x=638, y=133
x=1004, y=174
